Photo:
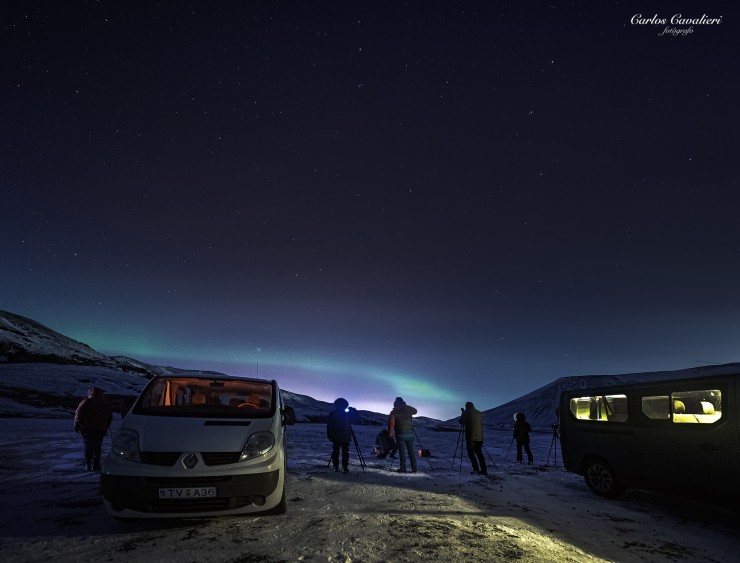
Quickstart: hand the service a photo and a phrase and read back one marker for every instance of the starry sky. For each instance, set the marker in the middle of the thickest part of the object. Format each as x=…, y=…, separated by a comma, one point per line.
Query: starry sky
x=447, y=201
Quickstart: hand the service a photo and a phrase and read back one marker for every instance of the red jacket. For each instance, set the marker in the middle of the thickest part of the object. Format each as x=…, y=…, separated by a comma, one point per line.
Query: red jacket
x=94, y=413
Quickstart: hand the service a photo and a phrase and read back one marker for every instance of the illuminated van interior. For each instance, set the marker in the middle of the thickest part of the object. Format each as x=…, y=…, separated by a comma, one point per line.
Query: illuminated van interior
x=199, y=396
x=602, y=408
x=682, y=407
x=697, y=407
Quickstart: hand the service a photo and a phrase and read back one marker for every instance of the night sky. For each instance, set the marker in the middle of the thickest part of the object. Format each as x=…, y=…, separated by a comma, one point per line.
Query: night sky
x=447, y=201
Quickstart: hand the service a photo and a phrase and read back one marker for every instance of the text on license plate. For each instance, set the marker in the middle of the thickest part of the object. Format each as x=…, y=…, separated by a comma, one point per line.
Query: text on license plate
x=187, y=493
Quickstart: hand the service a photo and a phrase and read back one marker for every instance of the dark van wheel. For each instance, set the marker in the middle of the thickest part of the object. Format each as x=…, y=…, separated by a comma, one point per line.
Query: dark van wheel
x=601, y=479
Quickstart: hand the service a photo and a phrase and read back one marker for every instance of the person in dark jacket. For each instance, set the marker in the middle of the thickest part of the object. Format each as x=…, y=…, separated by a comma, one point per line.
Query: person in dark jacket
x=339, y=431
x=400, y=424
x=92, y=420
x=472, y=420
x=521, y=435
x=386, y=444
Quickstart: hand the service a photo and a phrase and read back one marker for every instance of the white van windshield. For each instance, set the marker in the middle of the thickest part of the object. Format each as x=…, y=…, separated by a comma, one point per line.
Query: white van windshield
x=207, y=397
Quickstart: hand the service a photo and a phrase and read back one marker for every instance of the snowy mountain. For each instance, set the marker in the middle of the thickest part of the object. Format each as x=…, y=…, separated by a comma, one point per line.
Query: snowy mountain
x=25, y=340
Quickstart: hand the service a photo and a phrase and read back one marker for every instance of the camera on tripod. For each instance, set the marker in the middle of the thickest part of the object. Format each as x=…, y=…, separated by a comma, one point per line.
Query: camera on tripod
x=553, y=444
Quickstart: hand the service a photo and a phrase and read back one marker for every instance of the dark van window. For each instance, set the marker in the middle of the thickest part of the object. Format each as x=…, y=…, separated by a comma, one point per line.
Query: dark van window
x=607, y=408
x=697, y=407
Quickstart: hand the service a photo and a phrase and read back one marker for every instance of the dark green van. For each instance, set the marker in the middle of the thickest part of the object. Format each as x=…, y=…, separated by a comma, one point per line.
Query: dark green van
x=678, y=432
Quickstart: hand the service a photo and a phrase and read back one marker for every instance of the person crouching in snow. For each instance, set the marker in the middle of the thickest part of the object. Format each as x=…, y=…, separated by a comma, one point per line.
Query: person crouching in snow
x=92, y=420
x=339, y=431
x=521, y=435
x=400, y=422
x=385, y=445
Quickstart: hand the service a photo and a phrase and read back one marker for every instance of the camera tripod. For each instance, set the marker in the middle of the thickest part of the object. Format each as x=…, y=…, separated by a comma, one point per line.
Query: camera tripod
x=454, y=455
x=508, y=449
x=357, y=449
x=553, y=446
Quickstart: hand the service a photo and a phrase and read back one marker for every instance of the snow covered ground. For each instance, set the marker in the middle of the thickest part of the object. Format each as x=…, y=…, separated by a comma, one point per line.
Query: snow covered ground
x=51, y=510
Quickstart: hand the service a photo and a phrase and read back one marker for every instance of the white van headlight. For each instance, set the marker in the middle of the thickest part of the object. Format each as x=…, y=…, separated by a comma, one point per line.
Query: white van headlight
x=126, y=444
x=258, y=444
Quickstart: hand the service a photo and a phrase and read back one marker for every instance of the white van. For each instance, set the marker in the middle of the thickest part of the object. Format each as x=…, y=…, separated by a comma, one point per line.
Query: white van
x=199, y=445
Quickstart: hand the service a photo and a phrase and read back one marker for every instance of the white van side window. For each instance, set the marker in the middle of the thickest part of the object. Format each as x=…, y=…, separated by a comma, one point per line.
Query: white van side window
x=611, y=408
x=697, y=407
x=657, y=408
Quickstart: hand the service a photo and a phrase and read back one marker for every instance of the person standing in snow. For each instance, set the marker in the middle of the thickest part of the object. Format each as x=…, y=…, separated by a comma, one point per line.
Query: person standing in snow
x=472, y=420
x=521, y=435
x=400, y=423
x=92, y=420
x=339, y=431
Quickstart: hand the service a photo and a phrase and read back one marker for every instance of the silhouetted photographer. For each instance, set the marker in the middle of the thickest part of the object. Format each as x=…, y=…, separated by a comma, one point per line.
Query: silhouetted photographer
x=401, y=426
x=472, y=419
x=521, y=435
x=92, y=420
x=339, y=431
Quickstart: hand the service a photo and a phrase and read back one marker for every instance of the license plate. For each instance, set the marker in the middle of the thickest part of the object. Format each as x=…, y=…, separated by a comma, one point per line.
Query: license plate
x=187, y=493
